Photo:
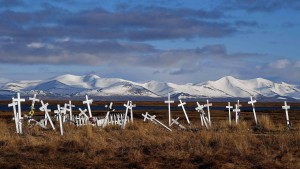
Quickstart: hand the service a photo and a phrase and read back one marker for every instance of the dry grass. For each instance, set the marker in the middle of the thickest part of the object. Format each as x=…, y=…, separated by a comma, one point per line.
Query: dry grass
x=145, y=145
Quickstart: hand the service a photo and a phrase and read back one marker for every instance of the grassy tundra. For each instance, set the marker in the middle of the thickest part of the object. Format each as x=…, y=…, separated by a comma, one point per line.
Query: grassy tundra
x=146, y=145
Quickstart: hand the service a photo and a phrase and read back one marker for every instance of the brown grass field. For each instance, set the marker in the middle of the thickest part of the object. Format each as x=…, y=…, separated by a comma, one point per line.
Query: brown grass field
x=146, y=145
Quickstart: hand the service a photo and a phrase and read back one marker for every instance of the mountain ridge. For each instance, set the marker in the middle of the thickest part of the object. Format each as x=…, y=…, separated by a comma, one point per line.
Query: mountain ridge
x=69, y=85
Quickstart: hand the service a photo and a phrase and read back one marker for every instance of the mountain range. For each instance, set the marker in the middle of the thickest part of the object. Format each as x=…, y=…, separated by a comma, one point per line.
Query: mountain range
x=77, y=86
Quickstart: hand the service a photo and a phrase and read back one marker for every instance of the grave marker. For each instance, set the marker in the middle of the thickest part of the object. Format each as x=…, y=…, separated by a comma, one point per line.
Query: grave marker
x=16, y=118
x=19, y=100
x=169, y=102
x=70, y=105
x=59, y=112
x=208, y=111
x=237, y=112
x=128, y=107
x=229, y=112
x=203, y=119
x=88, y=102
x=44, y=108
x=175, y=121
x=253, y=108
x=152, y=119
x=181, y=104
x=286, y=108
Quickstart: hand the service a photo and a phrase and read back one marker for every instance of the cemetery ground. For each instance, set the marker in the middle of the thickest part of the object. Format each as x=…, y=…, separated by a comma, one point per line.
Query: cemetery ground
x=146, y=145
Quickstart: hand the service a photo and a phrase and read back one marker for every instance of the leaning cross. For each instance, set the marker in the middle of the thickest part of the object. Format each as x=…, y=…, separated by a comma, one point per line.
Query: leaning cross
x=175, y=121
x=152, y=118
x=88, y=102
x=253, y=107
x=14, y=104
x=203, y=119
x=45, y=109
x=208, y=111
x=128, y=107
x=286, y=107
x=182, y=106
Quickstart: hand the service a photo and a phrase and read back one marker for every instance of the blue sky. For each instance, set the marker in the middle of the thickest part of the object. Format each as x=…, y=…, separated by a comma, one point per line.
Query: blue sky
x=175, y=41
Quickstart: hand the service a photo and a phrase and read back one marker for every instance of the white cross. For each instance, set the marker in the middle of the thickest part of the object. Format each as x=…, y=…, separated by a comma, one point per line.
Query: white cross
x=145, y=116
x=88, y=102
x=59, y=112
x=44, y=108
x=16, y=118
x=203, y=119
x=237, y=111
x=208, y=111
x=199, y=107
x=229, y=112
x=70, y=105
x=19, y=100
x=253, y=108
x=175, y=121
x=63, y=111
x=82, y=113
x=152, y=118
x=169, y=102
x=128, y=107
x=34, y=99
x=286, y=108
x=182, y=106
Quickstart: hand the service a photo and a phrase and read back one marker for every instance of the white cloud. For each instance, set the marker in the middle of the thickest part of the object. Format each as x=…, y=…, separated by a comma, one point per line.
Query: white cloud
x=38, y=45
x=280, y=64
x=35, y=45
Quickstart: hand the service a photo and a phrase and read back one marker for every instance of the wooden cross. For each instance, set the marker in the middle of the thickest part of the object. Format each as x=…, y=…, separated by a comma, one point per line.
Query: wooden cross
x=286, y=108
x=70, y=105
x=60, y=113
x=19, y=100
x=34, y=99
x=88, y=102
x=128, y=107
x=44, y=108
x=237, y=111
x=253, y=108
x=175, y=121
x=145, y=116
x=169, y=102
x=152, y=118
x=229, y=112
x=208, y=111
x=16, y=118
x=82, y=113
x=203, y=119
x=181, y=104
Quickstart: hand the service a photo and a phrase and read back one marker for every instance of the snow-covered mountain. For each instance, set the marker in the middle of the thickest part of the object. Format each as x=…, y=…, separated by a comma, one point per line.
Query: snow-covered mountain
x=93, y=85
